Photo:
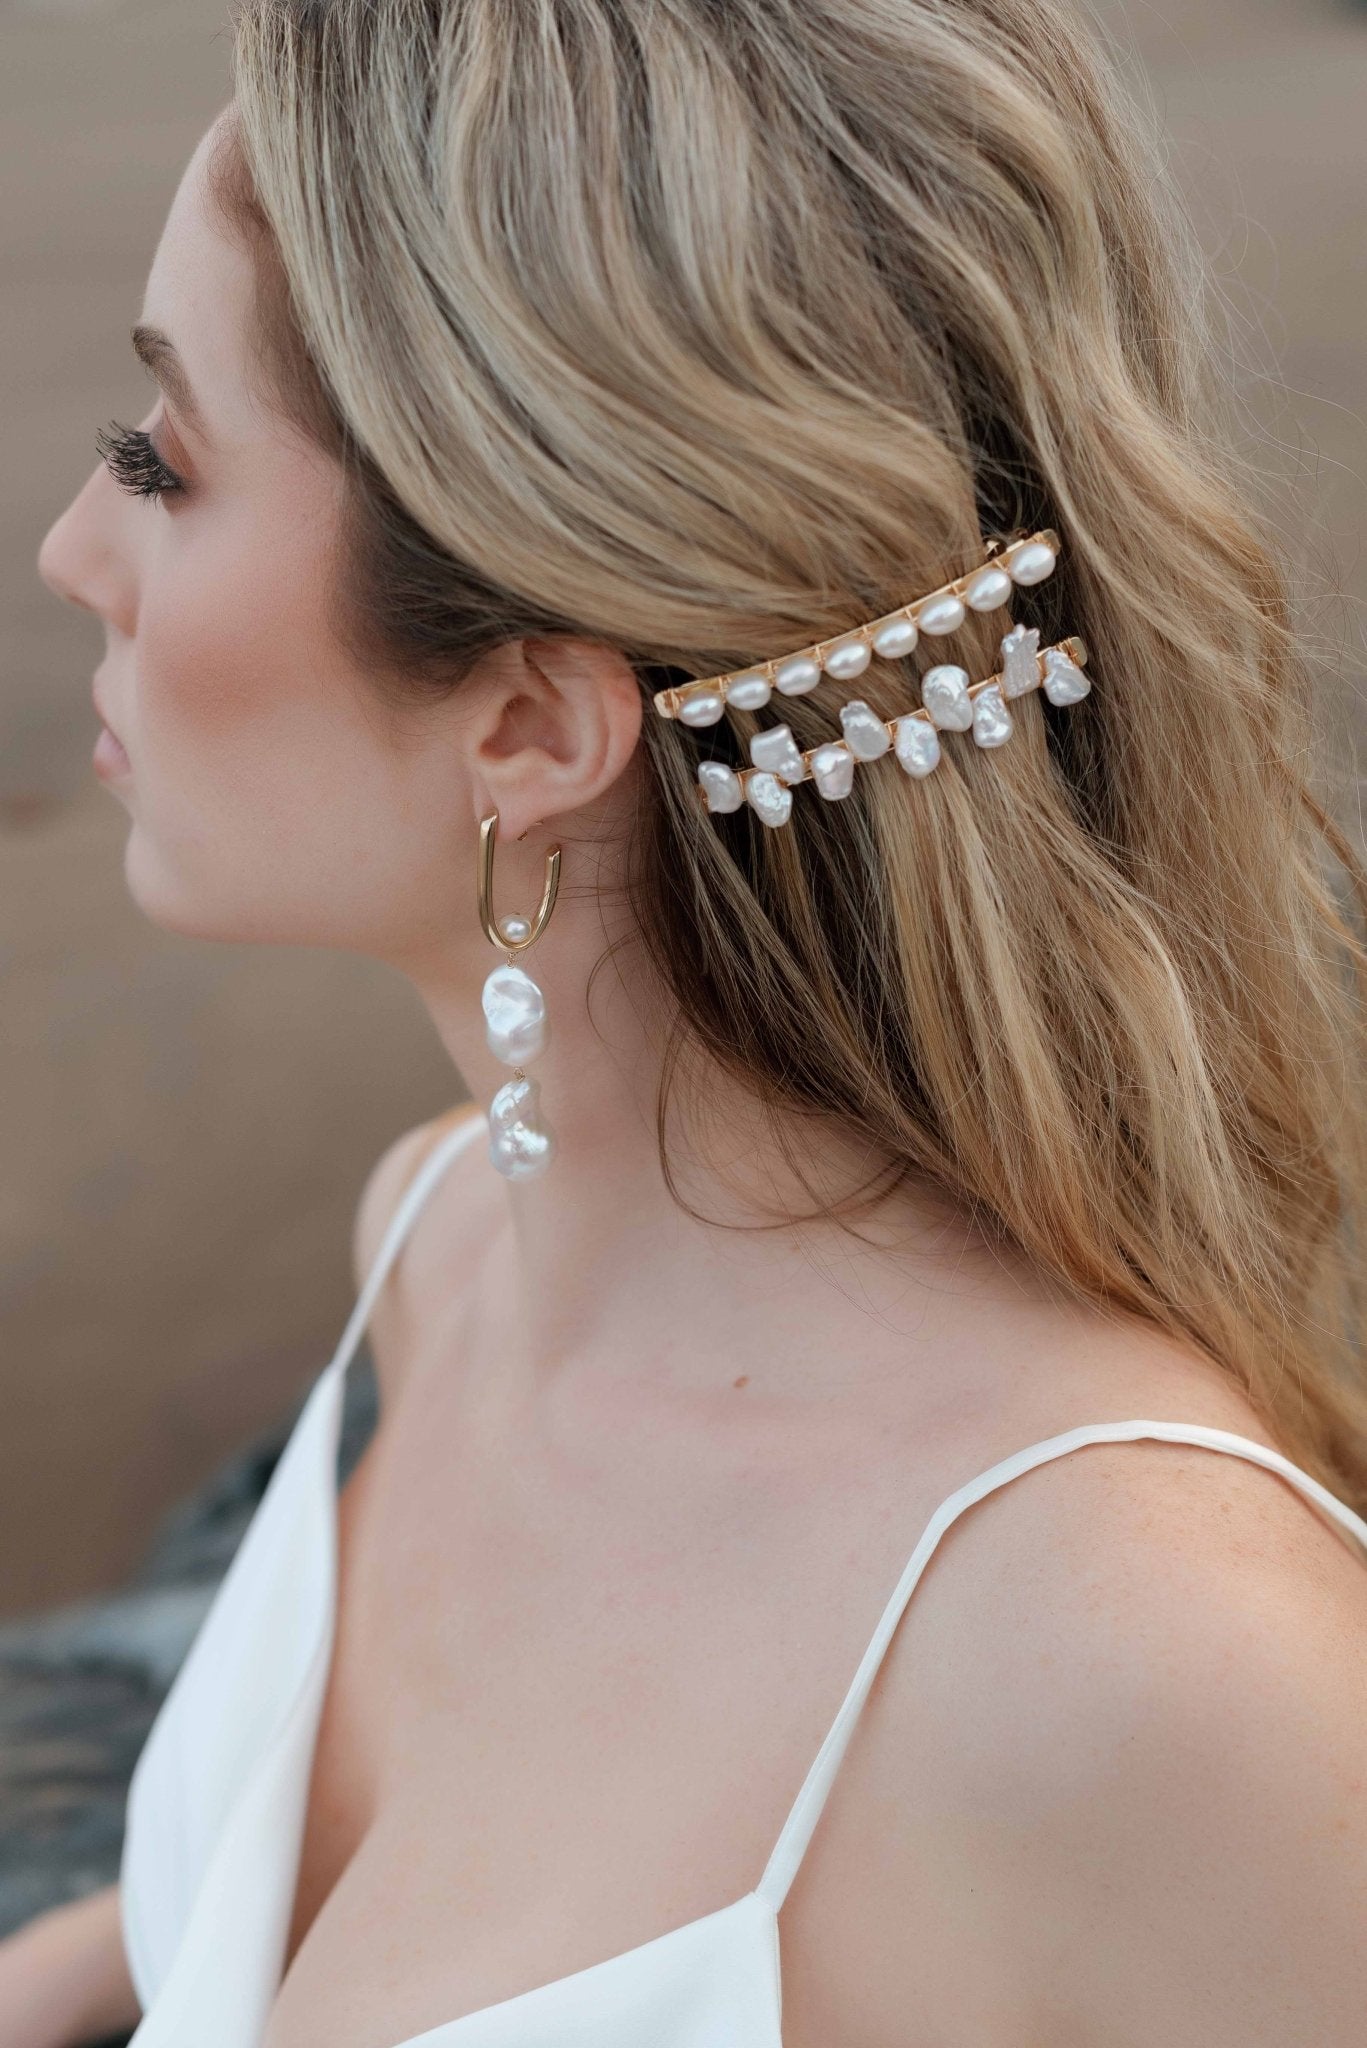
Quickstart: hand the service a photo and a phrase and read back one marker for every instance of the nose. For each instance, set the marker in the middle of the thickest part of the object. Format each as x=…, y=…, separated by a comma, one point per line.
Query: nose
x=82, y=557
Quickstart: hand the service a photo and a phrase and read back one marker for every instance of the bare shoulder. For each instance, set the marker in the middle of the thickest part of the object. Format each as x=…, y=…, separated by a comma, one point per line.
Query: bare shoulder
x=390, y=1175
x=384, y=1187
x=1140, y=1669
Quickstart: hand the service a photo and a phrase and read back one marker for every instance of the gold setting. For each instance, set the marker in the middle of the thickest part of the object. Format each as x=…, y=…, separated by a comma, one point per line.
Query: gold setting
x=488, y=828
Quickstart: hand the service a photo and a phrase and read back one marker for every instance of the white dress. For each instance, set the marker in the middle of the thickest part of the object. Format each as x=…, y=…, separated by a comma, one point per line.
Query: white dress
x=217, y=1800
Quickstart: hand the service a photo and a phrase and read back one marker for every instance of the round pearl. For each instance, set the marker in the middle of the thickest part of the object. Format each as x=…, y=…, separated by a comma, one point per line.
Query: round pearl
x=705, y=707
x=941, y=615
x=515, y=929
x=749, y=692
x=798, y=674
x=988, y=590
x=1031, y=563
x=894, y=638
x=847, y=659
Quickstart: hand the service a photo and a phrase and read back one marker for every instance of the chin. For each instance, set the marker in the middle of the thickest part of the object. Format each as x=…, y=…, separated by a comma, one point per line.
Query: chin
x=171, y=901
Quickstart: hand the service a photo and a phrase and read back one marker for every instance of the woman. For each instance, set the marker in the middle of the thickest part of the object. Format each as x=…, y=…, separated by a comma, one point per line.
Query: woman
x=969, y=1070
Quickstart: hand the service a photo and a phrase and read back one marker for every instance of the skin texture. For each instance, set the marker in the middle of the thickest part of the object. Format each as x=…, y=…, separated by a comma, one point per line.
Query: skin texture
x=612, y=1557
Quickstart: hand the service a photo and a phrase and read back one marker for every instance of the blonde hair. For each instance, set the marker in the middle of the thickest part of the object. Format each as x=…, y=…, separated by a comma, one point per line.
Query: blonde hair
x=709, y=327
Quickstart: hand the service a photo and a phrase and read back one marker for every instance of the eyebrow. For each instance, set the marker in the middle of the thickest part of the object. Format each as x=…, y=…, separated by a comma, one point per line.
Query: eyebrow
x=162, y=358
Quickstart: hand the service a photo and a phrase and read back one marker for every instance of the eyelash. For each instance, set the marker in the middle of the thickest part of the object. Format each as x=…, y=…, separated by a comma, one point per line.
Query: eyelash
x=134, y=463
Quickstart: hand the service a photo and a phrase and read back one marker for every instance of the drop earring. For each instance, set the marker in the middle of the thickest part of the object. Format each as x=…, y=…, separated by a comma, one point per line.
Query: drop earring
x=521, y=1144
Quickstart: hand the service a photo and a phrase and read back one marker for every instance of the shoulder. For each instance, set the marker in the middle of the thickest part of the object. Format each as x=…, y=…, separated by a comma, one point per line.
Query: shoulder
x=1146, y=1685
x=390, y=1175
x=410, y=1283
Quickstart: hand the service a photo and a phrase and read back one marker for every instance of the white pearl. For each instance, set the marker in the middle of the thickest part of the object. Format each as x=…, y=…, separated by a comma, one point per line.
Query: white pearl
x=917, y=743
x=988, y=590
x=798, y=674
x=944, y=692
x=521, y=1144
x=777, y=751
x=1064, y=681
x=720, y=786
x=894, y=638
x=941, y=615
x=846, y=660
x=769, y=799
x=1020, y=661
x=704, y=707
x=516, y=1027
x=1031, y=563
x=865, y=733
x=833, y=770
x=514, y=928
x=749, y=692
x=992, y=722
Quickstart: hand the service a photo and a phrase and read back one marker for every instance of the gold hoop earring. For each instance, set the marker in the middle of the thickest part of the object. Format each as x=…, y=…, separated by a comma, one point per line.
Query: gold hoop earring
x=516, y=1028
x=513, y=934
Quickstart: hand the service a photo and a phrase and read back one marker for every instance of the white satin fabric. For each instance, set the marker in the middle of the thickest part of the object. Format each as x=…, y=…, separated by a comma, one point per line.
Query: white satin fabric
x=216, y=1805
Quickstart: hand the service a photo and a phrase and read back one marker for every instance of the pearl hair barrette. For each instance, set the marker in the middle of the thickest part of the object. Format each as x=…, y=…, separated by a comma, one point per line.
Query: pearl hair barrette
x=847, y=655
x=949, y=701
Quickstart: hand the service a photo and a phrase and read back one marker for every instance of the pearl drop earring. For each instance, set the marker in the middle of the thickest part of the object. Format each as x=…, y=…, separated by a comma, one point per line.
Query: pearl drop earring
x=521, y=1143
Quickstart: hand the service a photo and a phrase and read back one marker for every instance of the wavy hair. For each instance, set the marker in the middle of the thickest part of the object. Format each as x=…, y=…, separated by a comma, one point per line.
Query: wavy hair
x=707, y=328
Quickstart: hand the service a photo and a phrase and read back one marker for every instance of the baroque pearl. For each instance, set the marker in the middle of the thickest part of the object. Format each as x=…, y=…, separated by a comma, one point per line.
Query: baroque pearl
x=1031, y=563
x=865, y=733
x=769, y=799
x=992, y=722
x=988, y=590
x=917, y=744
x=521, y=1145
x=777, y=751
x=720, y=786
x=1020, y=661
x=514, y=928
x=833, y=769
x=1064, y=681
x=798, y=674
x=894, y=638
x=847, y=659
x=941, y=615
x=704, y=707
x=944, y=692
x=515, y=1021
x=750, y=691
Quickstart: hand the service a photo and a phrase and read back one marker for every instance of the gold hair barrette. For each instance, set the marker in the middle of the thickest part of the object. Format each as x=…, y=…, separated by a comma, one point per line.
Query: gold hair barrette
x=847, y=655
x=949, y=702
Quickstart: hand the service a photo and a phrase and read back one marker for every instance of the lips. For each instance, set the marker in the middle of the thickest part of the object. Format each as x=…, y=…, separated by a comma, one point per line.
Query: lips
x=101, y=713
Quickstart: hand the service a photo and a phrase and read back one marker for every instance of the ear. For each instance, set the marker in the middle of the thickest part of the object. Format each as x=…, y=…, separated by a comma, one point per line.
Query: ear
x=559, y=720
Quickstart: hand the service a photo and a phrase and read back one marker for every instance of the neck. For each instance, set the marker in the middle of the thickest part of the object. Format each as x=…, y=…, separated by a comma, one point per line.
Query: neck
x=598, y=1262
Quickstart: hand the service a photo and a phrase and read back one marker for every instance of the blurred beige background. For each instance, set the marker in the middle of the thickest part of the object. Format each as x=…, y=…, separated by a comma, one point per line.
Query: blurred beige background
x=184, y=1128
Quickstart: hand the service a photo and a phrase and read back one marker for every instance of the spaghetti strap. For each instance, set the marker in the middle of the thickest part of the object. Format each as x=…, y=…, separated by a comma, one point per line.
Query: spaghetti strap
x=798, y=1829
x=400, y=1223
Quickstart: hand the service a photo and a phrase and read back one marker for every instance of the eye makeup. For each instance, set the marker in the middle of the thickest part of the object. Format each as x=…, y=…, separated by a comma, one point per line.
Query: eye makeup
x=132, y=460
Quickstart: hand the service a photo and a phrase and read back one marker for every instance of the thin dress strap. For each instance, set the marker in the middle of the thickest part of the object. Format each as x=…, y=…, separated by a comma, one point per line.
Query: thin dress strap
x=400, y=1223
x=797, y=1832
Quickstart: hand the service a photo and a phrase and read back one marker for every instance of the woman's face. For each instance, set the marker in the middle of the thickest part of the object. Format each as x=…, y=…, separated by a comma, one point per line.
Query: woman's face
x=271, y=798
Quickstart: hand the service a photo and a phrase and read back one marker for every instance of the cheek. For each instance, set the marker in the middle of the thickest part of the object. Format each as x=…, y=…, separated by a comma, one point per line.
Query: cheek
x=263, y=780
